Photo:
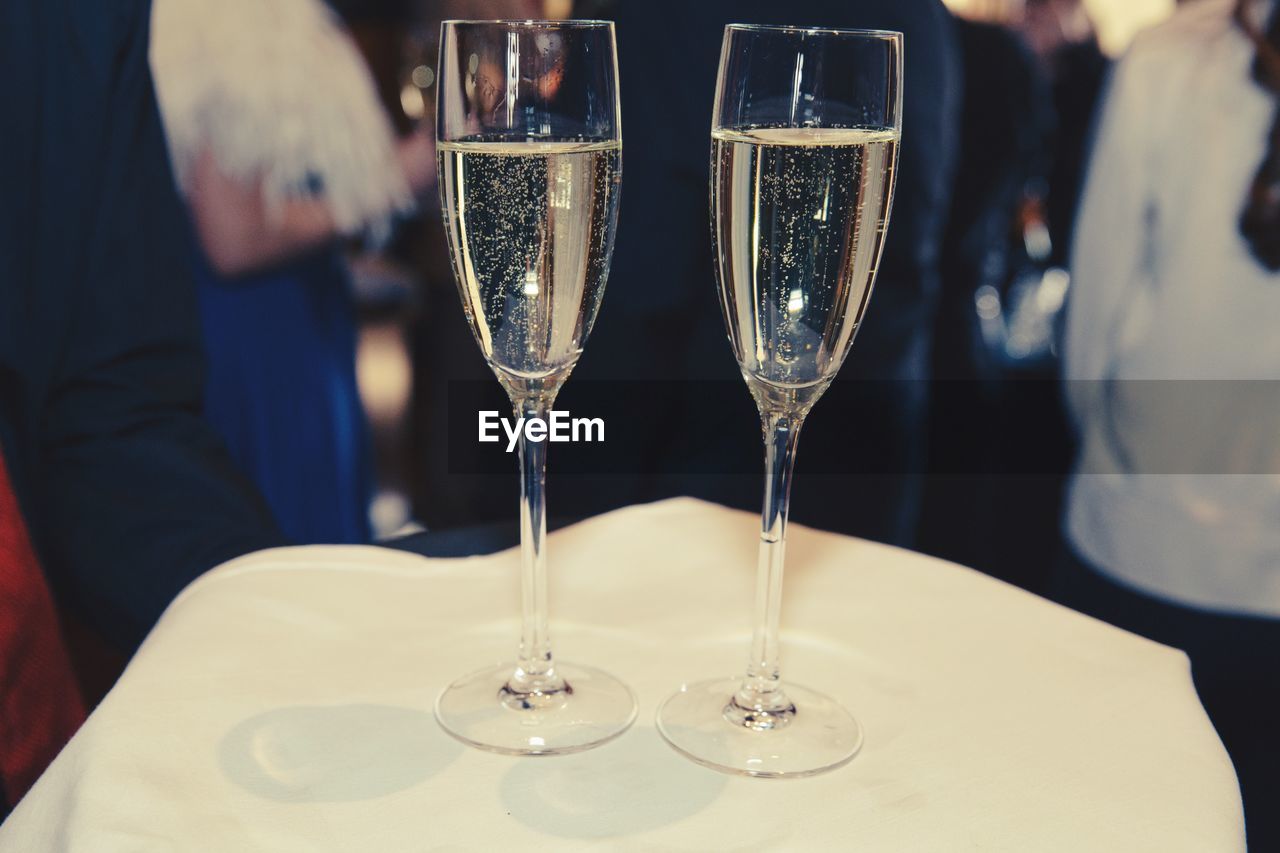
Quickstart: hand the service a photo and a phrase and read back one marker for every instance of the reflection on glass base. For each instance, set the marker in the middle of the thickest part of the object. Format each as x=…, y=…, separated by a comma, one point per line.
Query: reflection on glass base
x=481, y=711
x=820, y=736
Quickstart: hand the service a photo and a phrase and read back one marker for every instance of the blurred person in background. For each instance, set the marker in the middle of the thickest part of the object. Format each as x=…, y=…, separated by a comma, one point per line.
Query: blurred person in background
x=445, y=493
x=1006, y=117
x=661, y=332
x=1173, y=369
x=281, y=148
x=658, y=367
x=1061, y=35
x=114, y=492
x=999, y=442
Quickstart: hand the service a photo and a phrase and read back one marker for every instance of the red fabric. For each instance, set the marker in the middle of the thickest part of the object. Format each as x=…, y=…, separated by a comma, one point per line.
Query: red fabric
x=40, y=705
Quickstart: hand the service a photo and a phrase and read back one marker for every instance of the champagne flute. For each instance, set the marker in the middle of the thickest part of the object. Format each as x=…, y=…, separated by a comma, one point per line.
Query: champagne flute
x=530, y=157
x=804, y=144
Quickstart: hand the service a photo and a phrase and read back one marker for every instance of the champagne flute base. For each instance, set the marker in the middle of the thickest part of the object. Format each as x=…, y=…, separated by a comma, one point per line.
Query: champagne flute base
x=478, y=709
x=820, y=736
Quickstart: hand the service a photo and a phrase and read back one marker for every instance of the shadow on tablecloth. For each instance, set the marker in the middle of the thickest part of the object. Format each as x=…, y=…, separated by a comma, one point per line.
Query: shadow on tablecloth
x=333, y=754
x=630, y=786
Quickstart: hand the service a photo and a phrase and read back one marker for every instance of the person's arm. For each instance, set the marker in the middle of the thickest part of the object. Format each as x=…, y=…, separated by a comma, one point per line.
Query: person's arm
x=279, y=138
x=240, y=235
x=134, y=492
x=1109, y=247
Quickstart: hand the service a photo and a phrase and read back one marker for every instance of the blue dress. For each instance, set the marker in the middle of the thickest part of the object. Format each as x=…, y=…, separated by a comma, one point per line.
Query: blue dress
x=281, y=390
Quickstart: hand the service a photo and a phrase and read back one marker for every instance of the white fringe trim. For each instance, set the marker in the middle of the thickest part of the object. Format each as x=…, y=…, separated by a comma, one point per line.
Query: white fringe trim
x=277, y=91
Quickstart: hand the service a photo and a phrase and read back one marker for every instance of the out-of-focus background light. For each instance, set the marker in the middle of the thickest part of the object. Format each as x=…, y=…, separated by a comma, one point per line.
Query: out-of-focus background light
x=1117, y=21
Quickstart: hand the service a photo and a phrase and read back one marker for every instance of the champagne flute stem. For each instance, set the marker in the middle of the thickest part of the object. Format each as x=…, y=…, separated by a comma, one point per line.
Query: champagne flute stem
x=535, y=670
x=761, y=691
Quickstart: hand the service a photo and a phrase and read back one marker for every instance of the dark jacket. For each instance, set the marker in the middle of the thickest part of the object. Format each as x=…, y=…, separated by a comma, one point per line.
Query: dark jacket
x=661, y=321
x=127, y=492
x=669, y=51
x=658, y=367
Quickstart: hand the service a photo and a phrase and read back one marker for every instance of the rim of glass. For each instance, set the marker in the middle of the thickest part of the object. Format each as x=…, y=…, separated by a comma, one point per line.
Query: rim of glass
x=888, y=35
x=565, y=23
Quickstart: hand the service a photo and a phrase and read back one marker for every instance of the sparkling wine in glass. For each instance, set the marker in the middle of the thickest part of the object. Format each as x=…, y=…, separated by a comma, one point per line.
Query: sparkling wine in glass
x=530, y=158
x=804, y=148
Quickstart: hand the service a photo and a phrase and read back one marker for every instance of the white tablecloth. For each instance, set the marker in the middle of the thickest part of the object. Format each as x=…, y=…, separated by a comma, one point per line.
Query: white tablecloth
x=284, y=702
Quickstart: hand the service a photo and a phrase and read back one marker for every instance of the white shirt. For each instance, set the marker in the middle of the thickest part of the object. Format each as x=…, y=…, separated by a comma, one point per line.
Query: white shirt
x=1177, y=489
